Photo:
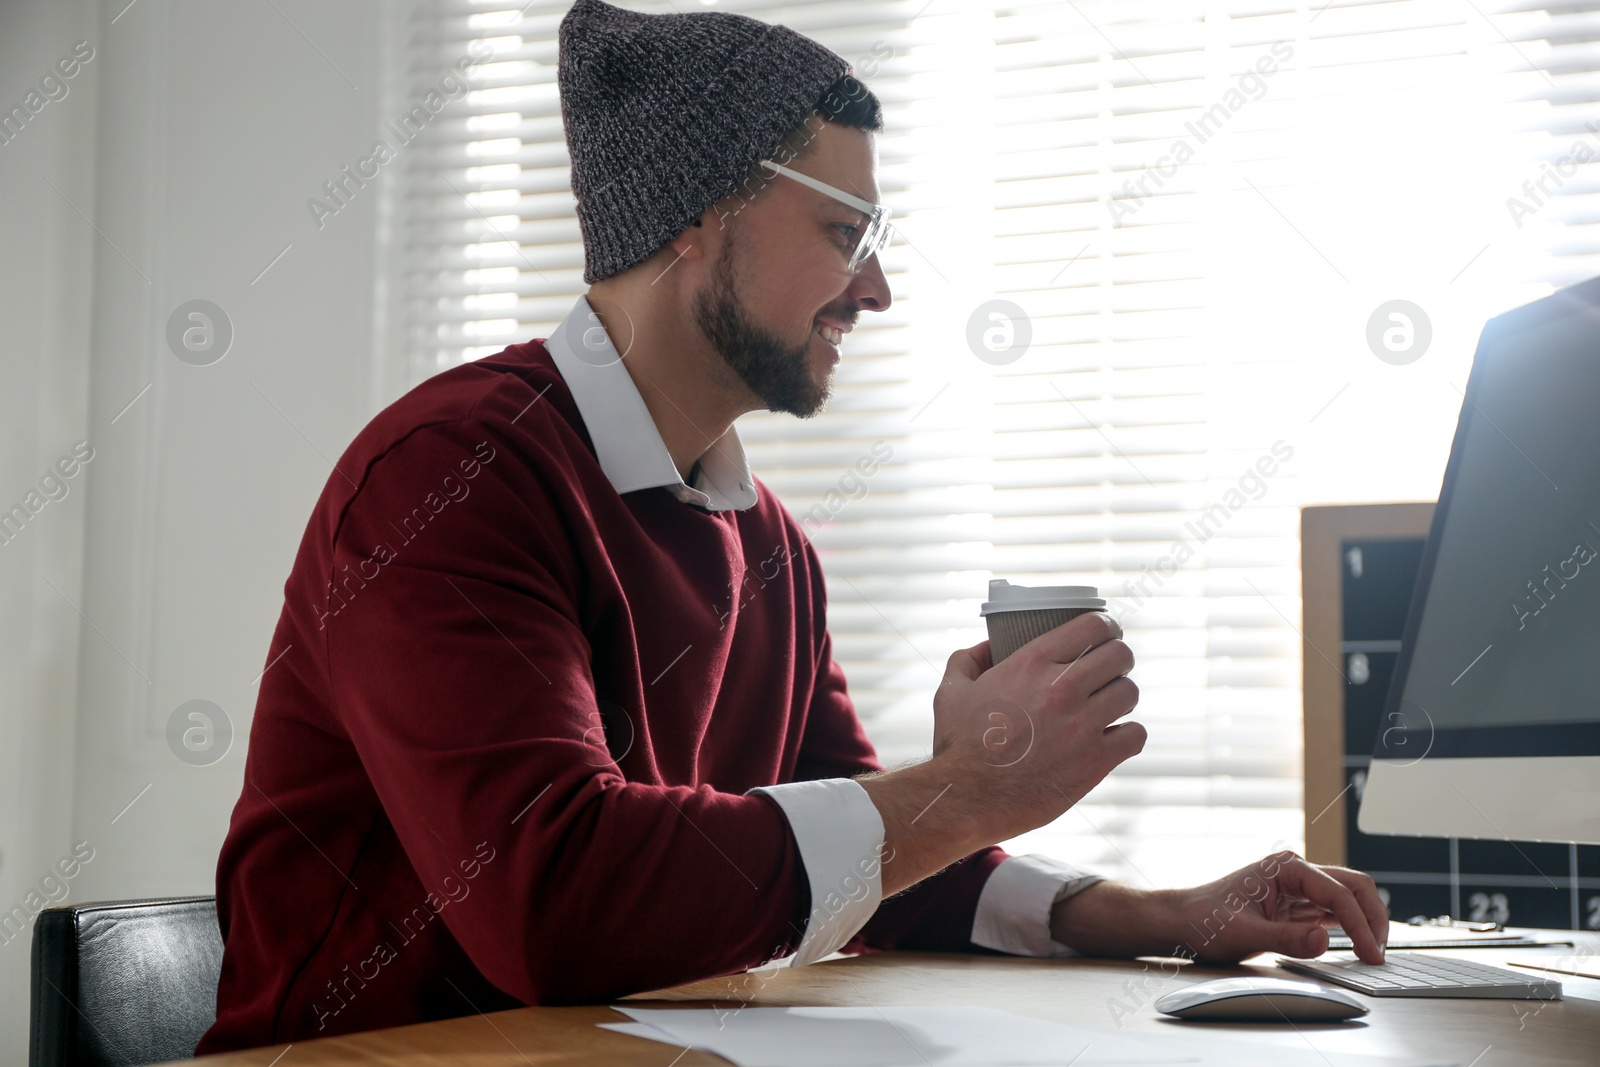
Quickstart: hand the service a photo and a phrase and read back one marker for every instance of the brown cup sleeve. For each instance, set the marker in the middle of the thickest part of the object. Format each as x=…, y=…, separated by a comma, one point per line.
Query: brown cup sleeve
x=1010, y=630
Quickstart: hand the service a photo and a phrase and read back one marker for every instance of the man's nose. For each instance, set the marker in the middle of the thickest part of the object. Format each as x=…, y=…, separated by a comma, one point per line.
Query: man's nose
x=869, y=288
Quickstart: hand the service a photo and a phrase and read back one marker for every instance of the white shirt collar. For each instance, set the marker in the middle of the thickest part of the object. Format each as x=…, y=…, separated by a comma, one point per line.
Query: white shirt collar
x=625, y=437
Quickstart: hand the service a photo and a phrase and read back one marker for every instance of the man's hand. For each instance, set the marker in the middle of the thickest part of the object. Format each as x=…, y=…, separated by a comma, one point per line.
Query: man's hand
x=1040, y=730
x=1279, y=904
x=1283, y=904
x=1014, y=746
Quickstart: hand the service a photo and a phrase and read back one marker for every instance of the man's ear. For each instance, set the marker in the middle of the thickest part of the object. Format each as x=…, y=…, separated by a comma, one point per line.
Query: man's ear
x=687, y=244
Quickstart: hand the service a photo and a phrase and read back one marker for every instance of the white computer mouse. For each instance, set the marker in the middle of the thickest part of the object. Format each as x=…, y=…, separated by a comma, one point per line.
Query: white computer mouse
x=1273, y=1000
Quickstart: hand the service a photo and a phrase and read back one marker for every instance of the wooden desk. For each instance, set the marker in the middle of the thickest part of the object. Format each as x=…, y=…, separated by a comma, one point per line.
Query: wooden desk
x=1484, y=1033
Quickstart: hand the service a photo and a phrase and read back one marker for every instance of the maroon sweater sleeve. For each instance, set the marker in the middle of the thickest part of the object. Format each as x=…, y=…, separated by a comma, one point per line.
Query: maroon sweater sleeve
x=937, y=913
x=463, y=678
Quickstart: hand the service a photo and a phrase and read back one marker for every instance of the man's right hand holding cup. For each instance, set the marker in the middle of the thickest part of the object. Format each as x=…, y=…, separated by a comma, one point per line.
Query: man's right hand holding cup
x=1015, y=743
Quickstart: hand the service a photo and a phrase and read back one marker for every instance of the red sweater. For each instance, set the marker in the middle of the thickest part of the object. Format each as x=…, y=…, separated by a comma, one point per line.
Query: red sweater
x=501, y=747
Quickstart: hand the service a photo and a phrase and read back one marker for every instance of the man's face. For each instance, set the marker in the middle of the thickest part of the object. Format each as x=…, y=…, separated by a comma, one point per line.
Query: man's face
x=779, y=274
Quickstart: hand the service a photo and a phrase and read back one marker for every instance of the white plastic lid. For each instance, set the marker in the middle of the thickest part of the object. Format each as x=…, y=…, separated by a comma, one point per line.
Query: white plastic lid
x=1003, y=596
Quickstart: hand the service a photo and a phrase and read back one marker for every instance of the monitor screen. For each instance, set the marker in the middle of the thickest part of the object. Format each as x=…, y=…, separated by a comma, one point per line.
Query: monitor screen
x=1505, y=655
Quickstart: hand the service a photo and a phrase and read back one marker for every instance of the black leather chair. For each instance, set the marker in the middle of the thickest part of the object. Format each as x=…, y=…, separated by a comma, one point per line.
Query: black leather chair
x=123, y=981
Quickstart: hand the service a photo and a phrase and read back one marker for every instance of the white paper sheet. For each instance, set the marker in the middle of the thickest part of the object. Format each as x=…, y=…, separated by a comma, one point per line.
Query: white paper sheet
x=950, y=1036
x=895, y=1037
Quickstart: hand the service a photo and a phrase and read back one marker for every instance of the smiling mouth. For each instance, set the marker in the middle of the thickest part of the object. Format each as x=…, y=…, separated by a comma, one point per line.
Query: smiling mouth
x=830, y=334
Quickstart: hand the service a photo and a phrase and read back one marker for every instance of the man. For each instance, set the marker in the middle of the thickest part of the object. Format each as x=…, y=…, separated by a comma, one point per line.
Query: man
x=530, y=733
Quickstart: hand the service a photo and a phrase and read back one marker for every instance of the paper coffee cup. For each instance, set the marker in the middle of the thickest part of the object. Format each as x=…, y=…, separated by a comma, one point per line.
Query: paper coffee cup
x=1018, y=613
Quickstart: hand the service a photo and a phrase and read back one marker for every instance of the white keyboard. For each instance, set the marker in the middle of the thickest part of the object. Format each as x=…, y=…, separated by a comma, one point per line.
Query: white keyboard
x=1415, y=974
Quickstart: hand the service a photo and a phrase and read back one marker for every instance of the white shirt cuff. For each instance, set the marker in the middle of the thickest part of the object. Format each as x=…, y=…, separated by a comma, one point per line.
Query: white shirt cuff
x=1014, y=908
x=840, y=835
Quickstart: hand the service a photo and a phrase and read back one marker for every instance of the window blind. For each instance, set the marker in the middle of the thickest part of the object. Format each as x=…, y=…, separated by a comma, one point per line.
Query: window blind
x=1140, y=248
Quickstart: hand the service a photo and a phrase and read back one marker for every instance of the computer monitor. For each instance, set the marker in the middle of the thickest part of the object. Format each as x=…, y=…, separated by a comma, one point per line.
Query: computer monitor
x=1492, y=724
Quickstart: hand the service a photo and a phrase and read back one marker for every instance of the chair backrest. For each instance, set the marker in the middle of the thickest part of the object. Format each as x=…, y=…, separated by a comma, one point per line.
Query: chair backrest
x=123, y=981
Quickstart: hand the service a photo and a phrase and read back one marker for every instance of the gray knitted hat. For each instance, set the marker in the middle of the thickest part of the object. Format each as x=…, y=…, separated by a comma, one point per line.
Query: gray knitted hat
x=664, y=114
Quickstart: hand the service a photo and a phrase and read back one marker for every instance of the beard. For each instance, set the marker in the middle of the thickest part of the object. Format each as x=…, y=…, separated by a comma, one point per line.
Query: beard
x=778, y=374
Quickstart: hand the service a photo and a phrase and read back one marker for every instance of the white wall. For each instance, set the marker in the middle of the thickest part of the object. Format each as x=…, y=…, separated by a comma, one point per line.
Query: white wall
x=192, y=140
x=46, y=257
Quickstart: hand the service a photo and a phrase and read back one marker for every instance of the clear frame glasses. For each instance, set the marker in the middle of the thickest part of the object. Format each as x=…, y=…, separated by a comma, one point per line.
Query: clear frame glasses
x=874, y=235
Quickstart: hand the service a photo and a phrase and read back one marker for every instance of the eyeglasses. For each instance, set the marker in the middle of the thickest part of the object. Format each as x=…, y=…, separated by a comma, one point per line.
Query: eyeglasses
x=876, y=232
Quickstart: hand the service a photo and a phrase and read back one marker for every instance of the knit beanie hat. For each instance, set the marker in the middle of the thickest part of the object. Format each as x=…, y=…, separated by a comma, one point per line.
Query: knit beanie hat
x=664, y=114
